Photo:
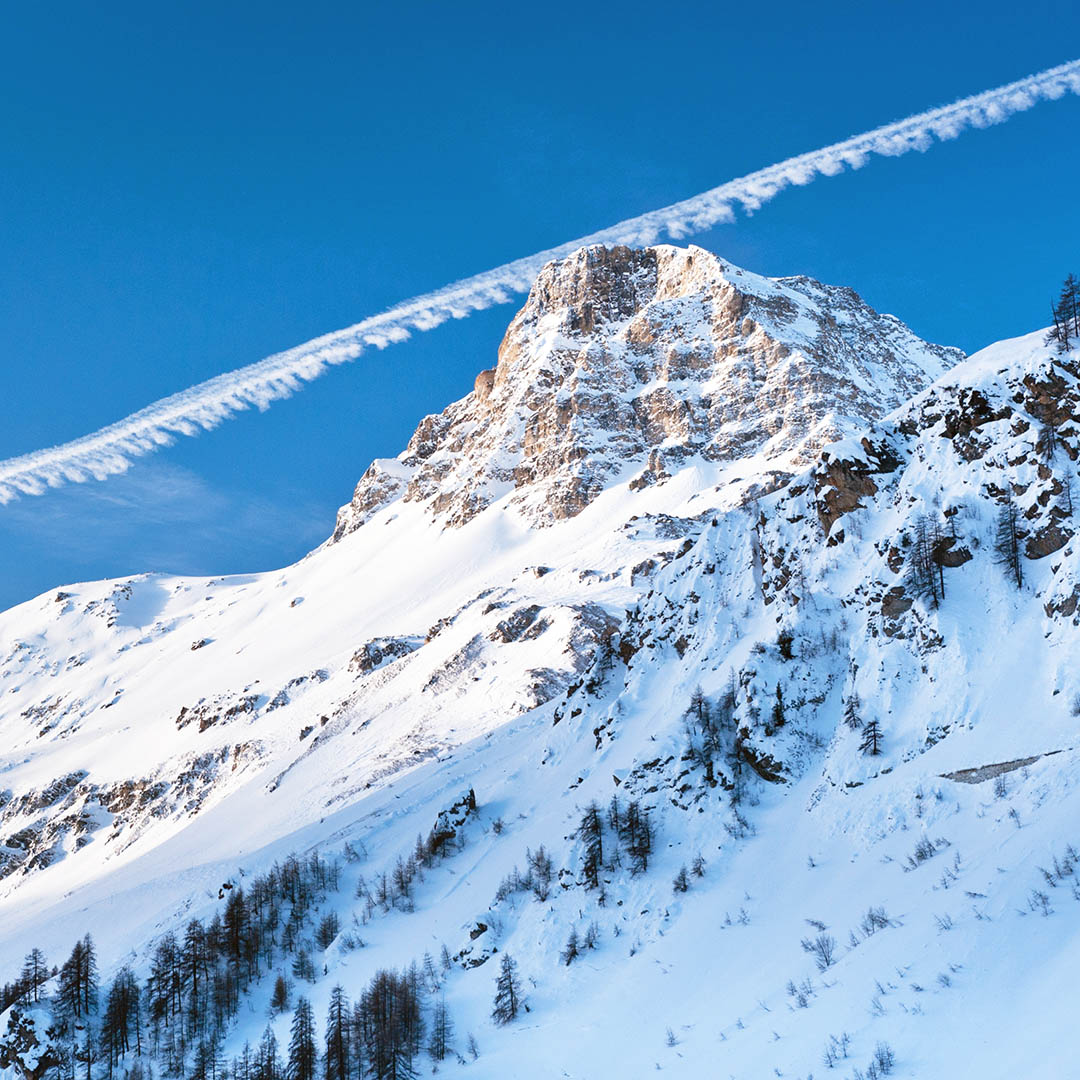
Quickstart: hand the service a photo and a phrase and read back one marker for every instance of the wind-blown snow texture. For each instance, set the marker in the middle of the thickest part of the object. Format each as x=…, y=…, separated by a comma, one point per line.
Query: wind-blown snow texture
x=204, y=406
x=163, y=736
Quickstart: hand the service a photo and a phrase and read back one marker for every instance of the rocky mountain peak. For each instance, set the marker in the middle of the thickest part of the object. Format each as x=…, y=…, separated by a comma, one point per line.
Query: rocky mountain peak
x=594, y=287
x=626, y=363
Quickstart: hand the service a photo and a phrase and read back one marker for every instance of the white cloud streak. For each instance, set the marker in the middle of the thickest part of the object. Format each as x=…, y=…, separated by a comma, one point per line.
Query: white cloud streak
x=112, y=449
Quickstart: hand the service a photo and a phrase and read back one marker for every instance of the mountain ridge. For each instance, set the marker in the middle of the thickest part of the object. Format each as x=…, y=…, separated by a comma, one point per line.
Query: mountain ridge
x=167, y=736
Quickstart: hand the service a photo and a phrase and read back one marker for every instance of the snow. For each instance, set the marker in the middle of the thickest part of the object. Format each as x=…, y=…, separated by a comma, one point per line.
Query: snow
x=969, y=977
x=1011, y=355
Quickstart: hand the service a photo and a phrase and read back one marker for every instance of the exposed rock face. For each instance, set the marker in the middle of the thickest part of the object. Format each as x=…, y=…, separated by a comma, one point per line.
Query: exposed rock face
x=374, y=654
x=841, y=485
x=30, y=1047
x=40, y=828
x=634, y=361
x=1046, y=541
x=521, y=623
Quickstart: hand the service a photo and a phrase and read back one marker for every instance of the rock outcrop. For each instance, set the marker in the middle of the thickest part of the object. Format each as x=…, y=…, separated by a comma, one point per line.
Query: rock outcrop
x=635, y=361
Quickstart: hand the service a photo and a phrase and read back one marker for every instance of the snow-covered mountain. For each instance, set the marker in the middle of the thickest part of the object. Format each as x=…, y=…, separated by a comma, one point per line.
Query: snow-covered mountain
x=679, y=477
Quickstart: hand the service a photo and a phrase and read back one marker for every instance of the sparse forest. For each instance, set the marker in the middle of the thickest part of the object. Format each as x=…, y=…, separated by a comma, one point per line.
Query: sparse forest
x=175, y=1021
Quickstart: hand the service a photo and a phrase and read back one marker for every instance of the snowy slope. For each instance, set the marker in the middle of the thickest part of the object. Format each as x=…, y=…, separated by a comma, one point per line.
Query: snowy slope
x=679, y=475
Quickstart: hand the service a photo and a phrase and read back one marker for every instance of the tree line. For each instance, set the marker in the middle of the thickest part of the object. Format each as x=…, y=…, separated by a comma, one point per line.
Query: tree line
x=178, y=1016
x=380, y=1036
x=176, y=1019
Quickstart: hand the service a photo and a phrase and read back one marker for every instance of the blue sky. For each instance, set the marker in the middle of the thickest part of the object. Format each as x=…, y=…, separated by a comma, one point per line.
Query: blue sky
x=187, y=191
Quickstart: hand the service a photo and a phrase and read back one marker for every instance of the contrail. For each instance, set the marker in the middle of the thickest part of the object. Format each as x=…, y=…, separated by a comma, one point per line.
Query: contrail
x=112, y=449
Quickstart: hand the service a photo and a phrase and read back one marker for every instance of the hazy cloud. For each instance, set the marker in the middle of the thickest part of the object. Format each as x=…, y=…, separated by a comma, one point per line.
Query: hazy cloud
x=161, y=517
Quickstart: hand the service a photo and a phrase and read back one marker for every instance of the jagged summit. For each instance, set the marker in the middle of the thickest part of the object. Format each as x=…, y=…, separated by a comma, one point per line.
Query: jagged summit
x=625, y=363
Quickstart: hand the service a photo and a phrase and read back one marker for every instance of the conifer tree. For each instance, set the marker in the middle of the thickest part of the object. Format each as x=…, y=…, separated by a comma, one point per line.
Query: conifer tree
x=431, y=976
x=121, y=1025
x=573, y=949
x=507, y=992
x=637, y=835
x=279, y=1000
x=337, y=1036
x=1069, y=303
x=699, y=708
x=163, y=987
x=302, y=1053
x=303, y=967
x=329, y=928
x=851, y=711
x=235, y=923
x=358, y=1046
x=267, y=1064
x=78, y=984
x=1046, y=443
x=442, y=1030
x=541, y=872
x=778, y=717
x=89, y=976
x=872, y=738
x=391, y=1024
x=87, y=1053
x=205, y=1062
x=925, y=577
x=196, y=976
x=34, y=975
x=591, y=832
x=242, y=1065
x=1007, y=542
